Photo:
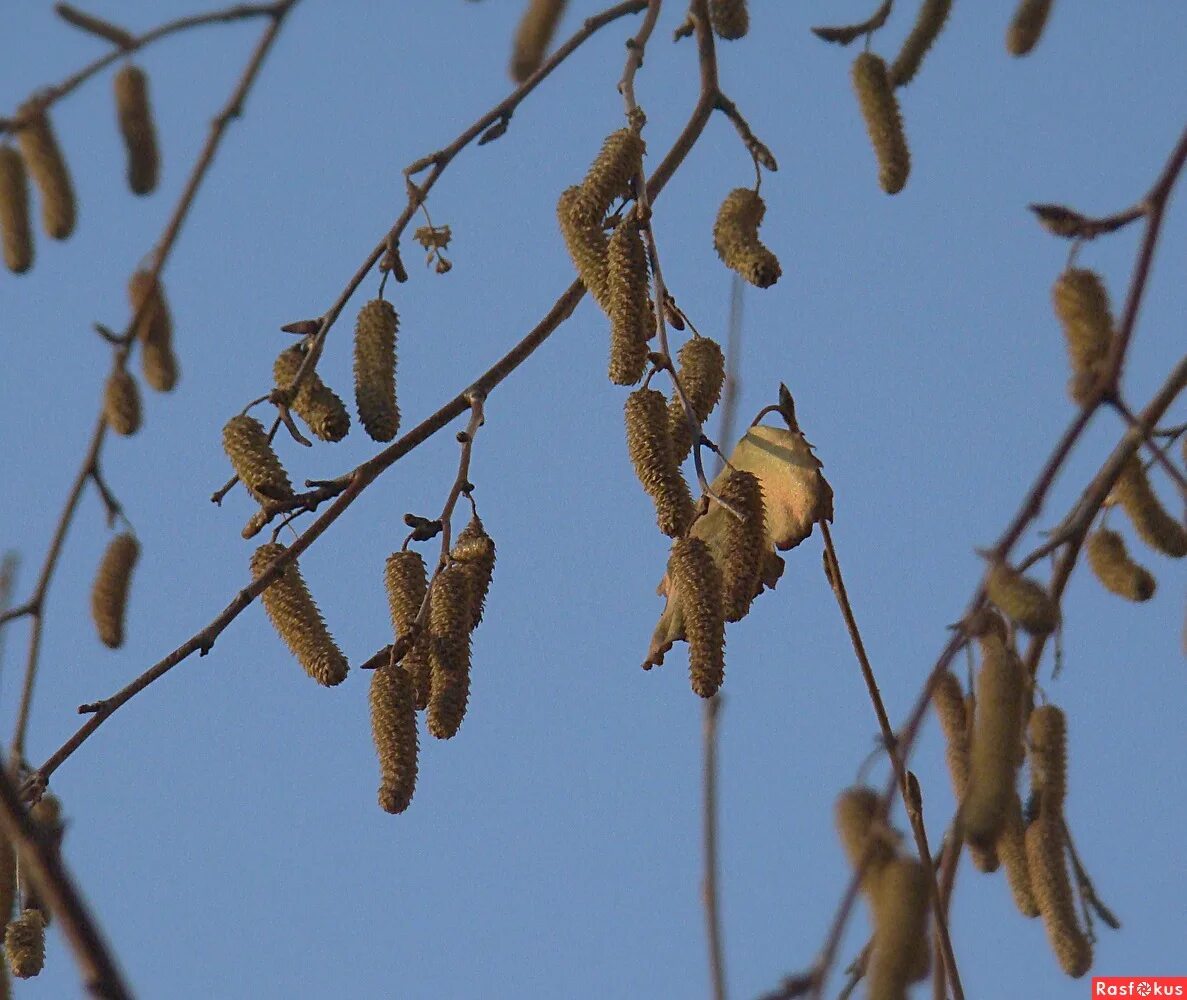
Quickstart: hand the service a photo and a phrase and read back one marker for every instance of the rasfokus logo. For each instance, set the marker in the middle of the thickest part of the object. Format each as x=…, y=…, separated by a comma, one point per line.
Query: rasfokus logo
x=1139, y=986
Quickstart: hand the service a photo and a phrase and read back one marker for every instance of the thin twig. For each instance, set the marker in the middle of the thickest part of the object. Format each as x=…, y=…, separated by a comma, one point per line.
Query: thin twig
x=709, y=881
x=1151, y=444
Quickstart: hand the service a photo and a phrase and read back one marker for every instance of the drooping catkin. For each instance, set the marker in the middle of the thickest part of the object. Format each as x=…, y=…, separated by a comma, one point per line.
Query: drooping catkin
x=730, y=18
x=629, y=309
x=109, y=593
x=24, y=944
x=698, y=582
x=375, y=369
x=393, y=728
x=745, y=543
x=533, y=36
x=581, y=227
x=702, y=375
x=952, y=709
x=1115, y=569
x=609, y=176
x=928, y=25
x=1053, y=891
x=14, y=212
x=247, y=446
x=735, y=237
x=1149, y=518
x=1027, y=27
x=474, y=552
x=1082, y=305
x=861, y=830
x=995, y=743
x=450, y=605
x=315, y=402
x=901, y=954
x=1011, y=849
x=121, y=403
x=1022, y=600
x=650, y=446
x=1047, y=735
x=406, y=581
x=295, y=616
x=154, y=330
x=136, y=125
x=47, y=167
x=46, y=817
x=883, y=121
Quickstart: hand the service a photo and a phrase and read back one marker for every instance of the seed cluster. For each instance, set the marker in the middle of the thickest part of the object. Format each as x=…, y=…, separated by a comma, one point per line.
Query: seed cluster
x=375, y=369
x=109, y=593
x=247, y=446
x=315, y=402
x=24, y=944
x=883, y=121
x=735, y=237
x=137, y=128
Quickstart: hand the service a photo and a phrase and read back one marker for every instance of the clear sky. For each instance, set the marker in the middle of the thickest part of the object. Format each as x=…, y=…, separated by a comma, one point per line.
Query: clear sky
x=224, y=823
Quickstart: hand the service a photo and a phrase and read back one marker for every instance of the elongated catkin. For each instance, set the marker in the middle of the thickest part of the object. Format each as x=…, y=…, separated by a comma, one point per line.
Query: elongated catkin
x=450, y=614
x=1022, y=600
x=109, y=593
x=928, y=25
x=24, y=944
x=650, y=446
x=1082, y=305
x=406, y=581
x=614, y=168
x=1149, y=518
x=533, y=36
x=702, y=374
x=247, y=446
x=375, y=369
x=883, y=121
x=898, y=906
x=47, y=168
x=730, y=18
x=315, y=402
x=121, y=403
x=474, y=552
x=137, y=128
x=295, y=616
x=15, y=231
x=745, y=543
x=1047, y=735
x=154, y=330
x=393, y=728
x=861, y=830
x=698, y=582
x=581, y=227
x=1011, y=849
x=1115, y=569
x=735, y=238
x=1053, y=891
x=629, y=307
x=1027, y=26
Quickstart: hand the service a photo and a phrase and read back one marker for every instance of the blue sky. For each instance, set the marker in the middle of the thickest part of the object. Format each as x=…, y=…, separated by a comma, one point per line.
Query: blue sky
x=224, y=823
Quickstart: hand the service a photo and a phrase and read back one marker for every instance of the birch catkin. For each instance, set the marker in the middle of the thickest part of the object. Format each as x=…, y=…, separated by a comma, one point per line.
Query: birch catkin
x=1011, y=849
x=1149, y=518
x=154, y=330
x=698, y=582
x=614, y=168
x=295, y=616
x=581, y=227
x=109, y=593
x=24, y=944
x=650, y=445
x=1053, y=891
x=1047, y=733
x=375, y=369
x=315, y=402
x=883, y=121
x=702, y=375
x=735, y=238
x=629, y=307
x=247, y=446
x=450, y=605
x=1113, y=567
x=861, y=830
x=533, y=36
x=928, y=25
x=474, y=552
x=730, y=18
x=1082, y=305
x=393, y=728
x=121, y=403
x=47, y=167
x=14, y=212
x=745, y=542
x=406, y=582
x=1027, y=27
x=1022, y=600
x=898, y=908
x=137, y=128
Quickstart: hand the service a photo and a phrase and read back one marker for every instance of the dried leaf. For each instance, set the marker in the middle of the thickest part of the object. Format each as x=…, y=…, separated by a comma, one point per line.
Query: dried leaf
x=852, y=32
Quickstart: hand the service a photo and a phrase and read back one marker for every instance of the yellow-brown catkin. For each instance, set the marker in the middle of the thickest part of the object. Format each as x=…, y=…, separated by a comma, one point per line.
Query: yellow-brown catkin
x=1011, y=849
x=1022, y=600
x=1047, y=735
x=1082, y=305
x=650, y=446
x=14, y=212
x=698, y=582
x=449, y=632
x=629, y=309
x=121, y=403
x=928, y=25
x=375, y=369
x=474, y=552
x=735, y=237
x=247, y=446
x=1149, y=518
x=883, y=121
x=996, y=739
x=730, y=18
x=609, y=176
x=1117, y=572
x=1053, y=891
x=406, y=581
x=702, y=374
x=295, y=616
x=315, y=402
x=533, y=36
x=47, y=167
x=109, y=593
x=136, y=126
x=745, y=543
x=24, y=944
x=1027, y=27
x=860, y=830
x=581, y=227
x=154, y=330
x=393, y=728
x=898, y=908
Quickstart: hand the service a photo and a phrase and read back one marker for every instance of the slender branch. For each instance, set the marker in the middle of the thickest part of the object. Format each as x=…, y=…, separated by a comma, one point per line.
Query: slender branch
x=1152, y=445
x=709, y=882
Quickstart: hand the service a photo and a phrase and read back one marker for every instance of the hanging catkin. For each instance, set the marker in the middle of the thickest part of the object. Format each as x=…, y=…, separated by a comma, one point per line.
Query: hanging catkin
x=1011, y=849
x=315, y=402
x=928, y=25
x=898, y=909
x=1047, y=734
x=137, y=128
x=698, y=582
x=730, y=18
x=154, y=330
x=581, y=228
x=474, y=552
x=295, y=616
x=533, y=36
x=14, y=212
x=702, y=374
x=393, y=728
x=1113, y=567
x=1149, y=518
x=1022, y=600
x=616, y=165
x=861, y=831
x=450, y=609
x=1027, y=26
x=745, y=543
x=883, y=121
x=406, y=582
x=109, y=593
x=735, y=237
x=629, y=307
x=121, y=403
x=47, y=167
x=247, y=446
x=375, y=369
x=650, y=446
x=1082, y=305
x=1053, y=891
x=24, y=944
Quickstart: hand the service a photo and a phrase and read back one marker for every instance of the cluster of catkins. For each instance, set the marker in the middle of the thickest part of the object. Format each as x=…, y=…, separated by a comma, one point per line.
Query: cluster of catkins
x=24, y=933
x=38, y=156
